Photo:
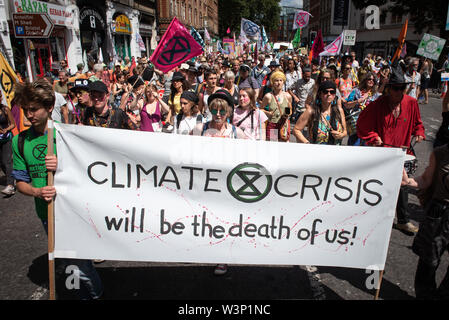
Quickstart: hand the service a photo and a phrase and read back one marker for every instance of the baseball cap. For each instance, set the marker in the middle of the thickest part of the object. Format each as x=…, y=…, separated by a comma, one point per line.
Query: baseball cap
x=80, y=84
x=98, y=86
x=245, y=67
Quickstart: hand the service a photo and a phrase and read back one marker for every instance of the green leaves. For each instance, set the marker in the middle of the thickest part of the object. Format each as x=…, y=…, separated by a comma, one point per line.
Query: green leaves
x=262, y=12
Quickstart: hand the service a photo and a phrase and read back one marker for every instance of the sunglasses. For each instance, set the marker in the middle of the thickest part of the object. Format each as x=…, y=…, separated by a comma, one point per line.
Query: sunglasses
x=329, y=91
x=81, y=92
x=398, y=88
x=347, y=69
x=215, y=112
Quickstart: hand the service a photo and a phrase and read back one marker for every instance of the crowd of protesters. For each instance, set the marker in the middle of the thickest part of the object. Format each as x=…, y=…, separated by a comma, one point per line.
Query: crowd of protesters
x=276, y=97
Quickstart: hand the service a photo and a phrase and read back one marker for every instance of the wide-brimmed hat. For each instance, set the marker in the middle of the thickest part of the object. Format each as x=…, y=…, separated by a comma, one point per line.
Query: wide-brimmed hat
x=397, y=76
x=136, y=81
x=221, y=94
x=177, y=76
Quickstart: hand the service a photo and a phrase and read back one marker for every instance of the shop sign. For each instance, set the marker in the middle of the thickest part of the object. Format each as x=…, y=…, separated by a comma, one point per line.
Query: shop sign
x=60, y=15
x=122, y=24
x=91, y=19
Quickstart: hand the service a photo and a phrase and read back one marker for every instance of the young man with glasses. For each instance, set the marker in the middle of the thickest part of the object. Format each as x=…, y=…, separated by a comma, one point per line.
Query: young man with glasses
x=392, y=121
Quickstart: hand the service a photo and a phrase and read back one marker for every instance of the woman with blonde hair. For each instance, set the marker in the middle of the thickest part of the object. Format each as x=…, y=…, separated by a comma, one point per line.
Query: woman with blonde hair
x=277, y=107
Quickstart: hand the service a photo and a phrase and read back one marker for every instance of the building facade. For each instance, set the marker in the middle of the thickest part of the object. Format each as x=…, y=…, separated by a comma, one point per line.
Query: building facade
x=199, y=14
x=85, y=31
x=384, y=40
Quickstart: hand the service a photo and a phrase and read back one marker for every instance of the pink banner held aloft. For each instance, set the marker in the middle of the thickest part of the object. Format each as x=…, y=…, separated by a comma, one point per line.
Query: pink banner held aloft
x=176, y=46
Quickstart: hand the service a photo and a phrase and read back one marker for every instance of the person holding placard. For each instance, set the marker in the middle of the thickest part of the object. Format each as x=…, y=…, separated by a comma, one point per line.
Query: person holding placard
x=31, y=166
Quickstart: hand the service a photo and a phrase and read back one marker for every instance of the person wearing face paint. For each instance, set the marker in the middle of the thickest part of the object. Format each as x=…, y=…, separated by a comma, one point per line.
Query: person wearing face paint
x=220, y=105
x=392, y=121
x=248, y=117
x=37, y=100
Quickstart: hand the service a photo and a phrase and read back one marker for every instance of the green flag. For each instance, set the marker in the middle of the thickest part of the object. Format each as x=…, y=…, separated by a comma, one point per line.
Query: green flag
x=297, y=40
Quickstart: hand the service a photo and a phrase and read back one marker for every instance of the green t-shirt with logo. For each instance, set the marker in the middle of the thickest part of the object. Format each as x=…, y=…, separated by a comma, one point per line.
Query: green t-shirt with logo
x=34, y=152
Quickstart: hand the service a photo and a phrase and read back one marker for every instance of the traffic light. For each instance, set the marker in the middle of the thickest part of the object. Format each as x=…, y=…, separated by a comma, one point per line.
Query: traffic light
x=312, y=37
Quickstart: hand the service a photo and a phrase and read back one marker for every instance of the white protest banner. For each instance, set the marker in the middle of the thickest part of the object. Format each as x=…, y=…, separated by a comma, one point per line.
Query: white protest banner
x=430, y=46
x=139, y=196
x=349, y=37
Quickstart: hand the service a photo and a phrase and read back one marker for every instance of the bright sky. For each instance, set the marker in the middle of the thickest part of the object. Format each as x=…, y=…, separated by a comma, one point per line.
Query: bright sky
x=292, y=3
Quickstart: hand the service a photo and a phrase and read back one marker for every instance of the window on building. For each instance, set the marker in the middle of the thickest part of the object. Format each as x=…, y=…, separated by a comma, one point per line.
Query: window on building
x=396, y=18
x=383, y=17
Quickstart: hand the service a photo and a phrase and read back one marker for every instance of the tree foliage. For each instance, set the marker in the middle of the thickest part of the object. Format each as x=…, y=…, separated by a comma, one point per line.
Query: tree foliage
x=263, y=12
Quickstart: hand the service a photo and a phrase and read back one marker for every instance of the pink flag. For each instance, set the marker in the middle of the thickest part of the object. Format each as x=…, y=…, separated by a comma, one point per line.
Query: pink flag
x=334, y=48
x=176, y=46
x=301, y=19
x=318, y=45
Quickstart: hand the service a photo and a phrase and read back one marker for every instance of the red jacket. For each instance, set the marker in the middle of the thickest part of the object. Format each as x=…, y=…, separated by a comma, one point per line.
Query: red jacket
x=377, y=120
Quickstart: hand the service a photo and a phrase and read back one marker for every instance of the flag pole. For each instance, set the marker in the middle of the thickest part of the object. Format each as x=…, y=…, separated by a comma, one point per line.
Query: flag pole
x=50, y=217
x=376, y=296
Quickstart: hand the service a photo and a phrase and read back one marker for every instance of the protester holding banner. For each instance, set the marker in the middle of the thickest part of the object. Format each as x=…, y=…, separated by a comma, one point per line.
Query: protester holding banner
x=37, y=101
x=432, y=239
x=7, y=124
x=248, y=117
x=220, y=105
x=392, y=121
x=324, y=119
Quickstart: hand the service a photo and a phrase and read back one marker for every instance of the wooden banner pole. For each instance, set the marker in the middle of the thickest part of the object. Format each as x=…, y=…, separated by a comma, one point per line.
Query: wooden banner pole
x=376, y=296
x=51, y=224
